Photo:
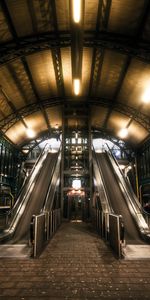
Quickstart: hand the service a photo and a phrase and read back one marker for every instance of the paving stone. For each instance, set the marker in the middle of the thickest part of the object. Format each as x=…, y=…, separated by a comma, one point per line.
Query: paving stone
x=76, y=264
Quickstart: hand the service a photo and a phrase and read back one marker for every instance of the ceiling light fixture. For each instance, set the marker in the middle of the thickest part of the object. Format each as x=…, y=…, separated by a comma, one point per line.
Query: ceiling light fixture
x=30, y=133
x=146, y=96
x=123, y=133
x=76, y=86
x=76, y=11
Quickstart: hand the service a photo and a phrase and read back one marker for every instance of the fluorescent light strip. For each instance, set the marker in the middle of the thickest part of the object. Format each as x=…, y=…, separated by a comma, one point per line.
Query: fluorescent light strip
x=76, y=86
x=76, y=11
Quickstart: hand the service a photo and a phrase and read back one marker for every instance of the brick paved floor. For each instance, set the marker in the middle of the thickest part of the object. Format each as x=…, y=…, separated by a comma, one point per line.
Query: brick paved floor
x=75, y=265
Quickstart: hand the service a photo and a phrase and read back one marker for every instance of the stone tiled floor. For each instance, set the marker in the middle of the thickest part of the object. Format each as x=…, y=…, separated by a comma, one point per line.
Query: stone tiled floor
x=75, y=265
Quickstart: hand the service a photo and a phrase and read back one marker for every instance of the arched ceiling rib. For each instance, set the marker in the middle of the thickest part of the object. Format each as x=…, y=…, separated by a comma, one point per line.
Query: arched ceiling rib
x=36, y=50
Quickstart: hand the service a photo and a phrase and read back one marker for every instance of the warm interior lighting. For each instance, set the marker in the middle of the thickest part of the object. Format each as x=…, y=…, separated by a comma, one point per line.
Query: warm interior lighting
x=146, y=96
x=76, y=11
x=76, y=86
x=30, y=133
x=123, y=133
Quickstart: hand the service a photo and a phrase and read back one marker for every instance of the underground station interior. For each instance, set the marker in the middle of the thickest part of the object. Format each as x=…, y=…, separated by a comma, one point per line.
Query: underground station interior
x=74, y=149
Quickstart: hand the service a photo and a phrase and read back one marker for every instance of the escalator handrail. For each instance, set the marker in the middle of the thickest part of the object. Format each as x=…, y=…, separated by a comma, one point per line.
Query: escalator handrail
x=48, y=206
x=22, y=205
x=125, y=182
x=30, y=175
x=107, y=200
x=136, y=210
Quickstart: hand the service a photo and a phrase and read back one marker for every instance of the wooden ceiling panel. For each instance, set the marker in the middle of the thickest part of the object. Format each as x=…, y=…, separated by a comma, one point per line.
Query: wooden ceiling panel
x=5, y=35
x=19, y=12
x=5, y=109
x=21, y=79
x=67, y=71
x=63, y=14
x=43, y=16
x=117, y=121
x=125, y=15
x=17, y=133
x=36, y=122
x=8, y=84
x=90, y=19
x=136, y=82
x=111, y=72
x=86, y=70
x=137, y=133
x=98, y=115
x=42, y=70
x=55, y=116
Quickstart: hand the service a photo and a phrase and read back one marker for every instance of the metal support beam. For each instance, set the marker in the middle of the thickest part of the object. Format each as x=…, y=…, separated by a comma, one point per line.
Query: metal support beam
x=17, y=82
x=26, y=67
x=119, y=85
x=12, y=106
x=9, y=21
x=105, y=12
x=56, y=53
x=129, y=111
x=98, y=56
x=104, y=40
x=143, y=19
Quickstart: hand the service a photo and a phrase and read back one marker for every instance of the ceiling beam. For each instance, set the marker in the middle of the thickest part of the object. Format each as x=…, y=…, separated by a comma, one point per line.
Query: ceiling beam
x=143, y=19
x=105, y=12
x=33, y=15
x=142, y=119
x=119, y=85
x=9, y=21
x=28, y=72
x=104, y=40
x=12, y=107
x=56, y=53
x=17, y=82
x=98, y=55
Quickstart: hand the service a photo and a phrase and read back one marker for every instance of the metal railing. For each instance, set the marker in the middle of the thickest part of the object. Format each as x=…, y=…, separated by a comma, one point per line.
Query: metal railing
x=134, y=205
x=42, y=228
x=110, y=227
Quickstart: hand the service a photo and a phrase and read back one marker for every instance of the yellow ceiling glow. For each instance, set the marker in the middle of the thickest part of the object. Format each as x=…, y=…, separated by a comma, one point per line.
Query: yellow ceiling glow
x=123, y=133
x=146, y=96
x=30, y=133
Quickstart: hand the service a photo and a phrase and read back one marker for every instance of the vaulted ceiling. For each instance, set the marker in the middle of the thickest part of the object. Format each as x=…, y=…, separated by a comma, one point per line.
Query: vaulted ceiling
x=42, y=51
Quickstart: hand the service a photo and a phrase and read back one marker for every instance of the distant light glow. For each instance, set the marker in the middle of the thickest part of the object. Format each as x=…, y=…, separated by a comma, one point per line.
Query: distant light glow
x=122, y=167
x=146, y=96
x=76, y=135
x=30, y=133
x=76, y=184
x=76, y=86
x=76, y=11
x=123, y=133
x=25, y=151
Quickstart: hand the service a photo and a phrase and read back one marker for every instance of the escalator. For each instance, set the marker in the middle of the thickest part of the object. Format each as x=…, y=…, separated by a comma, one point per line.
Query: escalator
x=120, y=201
x=37, y=195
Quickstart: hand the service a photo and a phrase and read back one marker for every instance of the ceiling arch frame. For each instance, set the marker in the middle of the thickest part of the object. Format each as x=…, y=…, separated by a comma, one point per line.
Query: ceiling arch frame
x=129, y=111
x=32, y=44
